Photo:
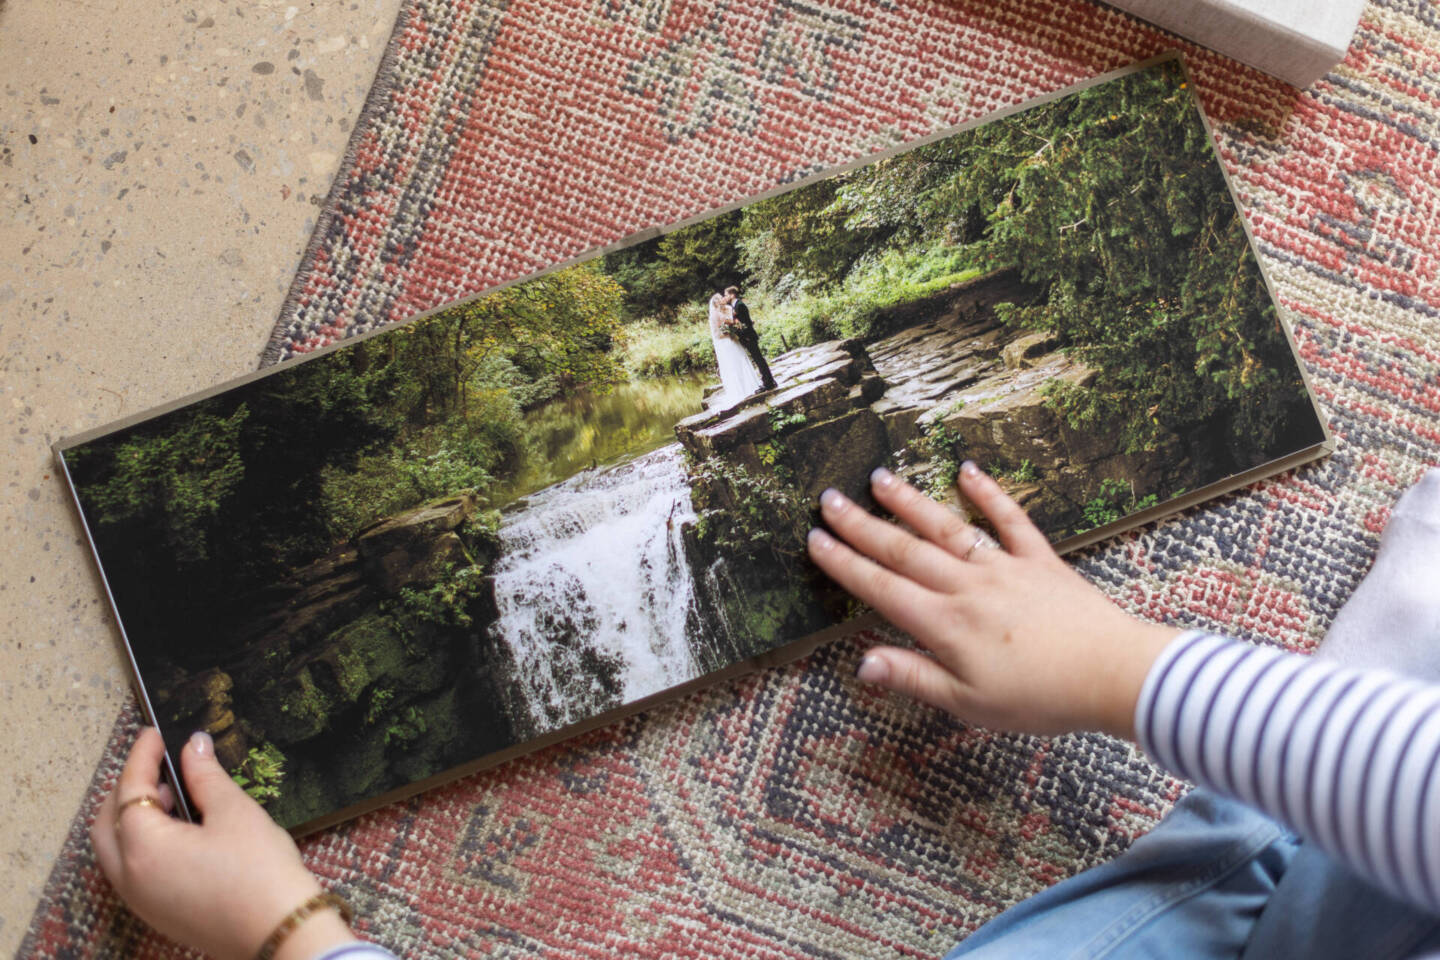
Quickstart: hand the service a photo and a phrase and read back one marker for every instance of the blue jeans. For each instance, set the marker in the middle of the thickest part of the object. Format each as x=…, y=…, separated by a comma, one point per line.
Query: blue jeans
x=1214, y=879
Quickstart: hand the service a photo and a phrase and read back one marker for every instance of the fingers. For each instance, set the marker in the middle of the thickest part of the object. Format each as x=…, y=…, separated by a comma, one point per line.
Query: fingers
x=140, y=778
x=141, y=774
x=887, y=544
x=913, y=674
x=206, y=781
x=935, y=522
x=1017, y=533
x=902, y=601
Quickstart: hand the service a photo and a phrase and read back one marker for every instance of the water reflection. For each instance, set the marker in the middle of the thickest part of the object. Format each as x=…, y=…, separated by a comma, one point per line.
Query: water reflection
x=584, y=430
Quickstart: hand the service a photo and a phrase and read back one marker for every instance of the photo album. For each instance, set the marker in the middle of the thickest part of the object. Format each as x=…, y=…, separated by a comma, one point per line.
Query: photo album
x=428, y=549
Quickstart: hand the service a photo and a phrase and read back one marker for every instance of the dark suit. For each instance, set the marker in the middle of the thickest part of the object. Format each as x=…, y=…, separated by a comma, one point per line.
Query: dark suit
x=750, y=340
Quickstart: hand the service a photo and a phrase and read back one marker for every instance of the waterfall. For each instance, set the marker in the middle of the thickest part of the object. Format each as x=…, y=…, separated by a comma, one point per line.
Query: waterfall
x=596, y=601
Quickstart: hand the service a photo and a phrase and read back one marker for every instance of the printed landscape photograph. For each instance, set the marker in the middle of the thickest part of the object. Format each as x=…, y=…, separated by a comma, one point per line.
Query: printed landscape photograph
x=518, y=513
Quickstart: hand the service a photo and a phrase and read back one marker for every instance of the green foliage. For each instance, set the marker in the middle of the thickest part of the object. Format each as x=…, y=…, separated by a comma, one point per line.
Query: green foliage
x=1115, y=500
x=446, y=602
x=780, y=421
x=684, y=266
x=184, y=476
x=806, y=233
x=794, y=316
x=1112, y=199
x=940, y=445
x=243, y=468
x=380, y=699
x=655, y=348
x=559, y=327
x=1025, y=472
x=766, y=512
x=465, y=453
x=283, y=467
x=481, y=525
x=261, y=772
x=857, y=306
x=407, y=727
x=915, y=197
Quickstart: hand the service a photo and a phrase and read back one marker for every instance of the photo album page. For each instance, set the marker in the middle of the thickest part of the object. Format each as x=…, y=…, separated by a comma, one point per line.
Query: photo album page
x=422, y=551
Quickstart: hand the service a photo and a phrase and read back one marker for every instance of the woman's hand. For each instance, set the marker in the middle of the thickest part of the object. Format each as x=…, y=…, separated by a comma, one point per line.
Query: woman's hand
x=1019, y=640
x=221, y=886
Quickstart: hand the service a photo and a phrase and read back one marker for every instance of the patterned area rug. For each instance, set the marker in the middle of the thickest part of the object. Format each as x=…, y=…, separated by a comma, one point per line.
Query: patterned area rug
x=793, y=813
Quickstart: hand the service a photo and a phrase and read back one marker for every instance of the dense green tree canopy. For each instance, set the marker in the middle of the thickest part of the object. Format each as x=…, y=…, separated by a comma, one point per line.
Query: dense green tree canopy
x=228, y=493
x=1113, y=200
x=684, y=266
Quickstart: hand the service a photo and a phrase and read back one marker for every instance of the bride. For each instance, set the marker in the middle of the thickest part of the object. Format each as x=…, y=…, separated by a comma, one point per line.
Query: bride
x=737, y=371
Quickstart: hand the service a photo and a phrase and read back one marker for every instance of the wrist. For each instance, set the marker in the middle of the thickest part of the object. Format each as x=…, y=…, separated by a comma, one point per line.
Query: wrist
x=1138, y=649
x=318, y=933
x=320, y=929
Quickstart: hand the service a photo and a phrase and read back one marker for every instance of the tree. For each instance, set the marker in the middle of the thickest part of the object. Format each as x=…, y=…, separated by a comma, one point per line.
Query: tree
x=413, y=413
x=1112, y=198
x=807, y=235
x=684, y=266
x=559, y=326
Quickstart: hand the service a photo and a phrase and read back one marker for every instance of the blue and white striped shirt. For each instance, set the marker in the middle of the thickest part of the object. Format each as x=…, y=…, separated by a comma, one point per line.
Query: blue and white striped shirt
x=1348, y=758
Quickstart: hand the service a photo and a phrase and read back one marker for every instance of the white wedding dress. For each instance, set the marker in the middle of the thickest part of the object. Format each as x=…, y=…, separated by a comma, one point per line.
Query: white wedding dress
x=738, y=374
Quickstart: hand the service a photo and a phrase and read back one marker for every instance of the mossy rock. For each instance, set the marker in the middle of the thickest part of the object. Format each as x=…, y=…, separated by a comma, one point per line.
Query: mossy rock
x=411, y=531
x=839, y=453
x=292, y=708
x=305, y=794
x=445, y=729
x=376, y=651
x=362, y=653
x=360, y=766
x=764, y=602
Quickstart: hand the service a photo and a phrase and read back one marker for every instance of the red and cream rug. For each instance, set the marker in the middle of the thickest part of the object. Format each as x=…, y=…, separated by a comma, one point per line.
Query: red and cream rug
x=793, y=813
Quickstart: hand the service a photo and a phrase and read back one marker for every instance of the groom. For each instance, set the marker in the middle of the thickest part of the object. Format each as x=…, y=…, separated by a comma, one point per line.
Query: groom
x=746, y=336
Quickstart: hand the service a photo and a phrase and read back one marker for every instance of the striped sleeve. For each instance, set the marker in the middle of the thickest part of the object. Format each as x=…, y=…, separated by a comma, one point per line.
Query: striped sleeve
x=1349, y=759
x=357, y=950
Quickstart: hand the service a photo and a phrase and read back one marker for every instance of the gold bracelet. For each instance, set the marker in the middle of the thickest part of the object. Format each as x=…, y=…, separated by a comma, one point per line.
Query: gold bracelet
x=297, y=916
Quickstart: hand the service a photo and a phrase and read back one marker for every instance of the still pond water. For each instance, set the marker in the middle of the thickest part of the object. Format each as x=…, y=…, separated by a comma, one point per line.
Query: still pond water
x=585, y=430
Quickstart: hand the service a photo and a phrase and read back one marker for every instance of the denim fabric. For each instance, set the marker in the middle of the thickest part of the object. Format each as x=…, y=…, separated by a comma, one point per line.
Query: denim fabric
x=1214, y=879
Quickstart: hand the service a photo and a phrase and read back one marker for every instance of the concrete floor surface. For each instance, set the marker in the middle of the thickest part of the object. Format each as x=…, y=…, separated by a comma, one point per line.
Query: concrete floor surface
x=161, y=168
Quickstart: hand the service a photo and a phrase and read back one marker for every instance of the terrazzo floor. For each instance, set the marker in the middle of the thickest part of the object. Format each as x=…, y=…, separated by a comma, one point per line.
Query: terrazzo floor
x=161, y=166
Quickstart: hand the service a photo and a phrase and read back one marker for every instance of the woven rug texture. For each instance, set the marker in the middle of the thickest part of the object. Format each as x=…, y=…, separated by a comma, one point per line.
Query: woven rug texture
x=793, y=813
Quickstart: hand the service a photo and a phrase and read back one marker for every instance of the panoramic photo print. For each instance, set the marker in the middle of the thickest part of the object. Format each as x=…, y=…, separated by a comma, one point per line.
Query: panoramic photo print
x=521, y=512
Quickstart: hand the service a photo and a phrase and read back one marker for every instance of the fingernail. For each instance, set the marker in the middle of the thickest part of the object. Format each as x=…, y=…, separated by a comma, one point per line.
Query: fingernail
x=872, y=669
x=882, y=477
x=202, y=743
x=970, y=469
x=833, y=500
x=821, y=540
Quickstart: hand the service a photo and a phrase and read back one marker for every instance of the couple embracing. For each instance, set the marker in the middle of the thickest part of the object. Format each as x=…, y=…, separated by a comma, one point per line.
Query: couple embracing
x=743, y=369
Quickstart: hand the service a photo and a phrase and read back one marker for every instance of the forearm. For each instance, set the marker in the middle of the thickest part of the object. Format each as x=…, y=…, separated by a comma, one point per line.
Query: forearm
x=1348, y=758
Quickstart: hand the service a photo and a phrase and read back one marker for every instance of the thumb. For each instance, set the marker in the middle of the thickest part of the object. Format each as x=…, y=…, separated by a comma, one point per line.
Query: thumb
x=206, y=781
x=912, y=674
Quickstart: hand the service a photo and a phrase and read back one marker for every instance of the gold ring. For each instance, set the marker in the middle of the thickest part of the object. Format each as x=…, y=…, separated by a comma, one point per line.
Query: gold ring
x=148, y=800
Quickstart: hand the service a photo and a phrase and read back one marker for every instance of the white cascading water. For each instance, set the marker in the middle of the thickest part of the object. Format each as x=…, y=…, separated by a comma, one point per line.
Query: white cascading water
x=593, y=590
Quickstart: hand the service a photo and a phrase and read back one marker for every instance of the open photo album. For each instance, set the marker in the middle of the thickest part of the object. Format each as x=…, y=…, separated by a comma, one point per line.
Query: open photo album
x=422, y=551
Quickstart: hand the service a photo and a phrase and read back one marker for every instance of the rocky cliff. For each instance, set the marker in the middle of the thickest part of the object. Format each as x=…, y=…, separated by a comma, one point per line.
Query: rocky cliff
x=953, y=384
x=368, y=669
